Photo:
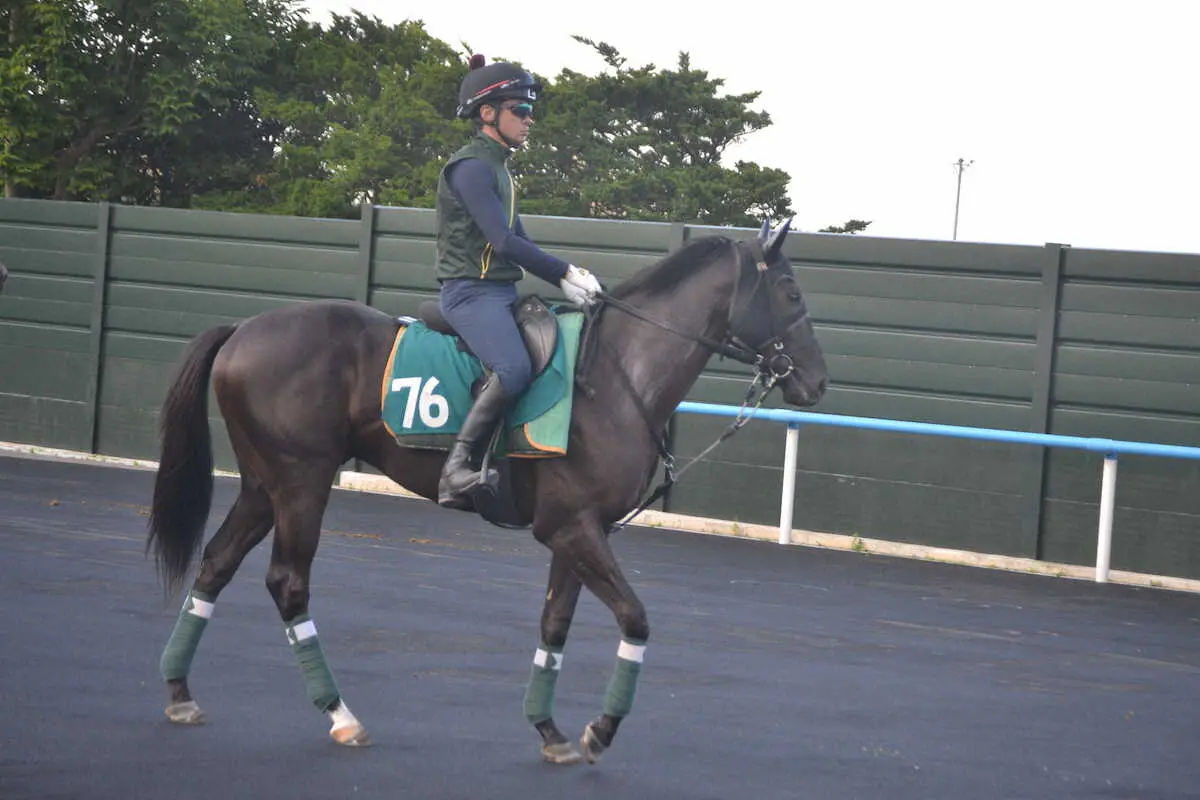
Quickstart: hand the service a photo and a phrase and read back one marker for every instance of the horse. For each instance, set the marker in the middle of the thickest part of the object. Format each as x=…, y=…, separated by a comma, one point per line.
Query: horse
x=3, y=275
x=299, y=386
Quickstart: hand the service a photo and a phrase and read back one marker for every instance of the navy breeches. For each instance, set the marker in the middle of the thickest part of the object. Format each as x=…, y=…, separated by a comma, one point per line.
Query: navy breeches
x=482, y=313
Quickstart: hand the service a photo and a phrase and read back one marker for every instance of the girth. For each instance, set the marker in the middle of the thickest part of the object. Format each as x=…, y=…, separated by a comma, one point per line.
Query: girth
x=534, y=320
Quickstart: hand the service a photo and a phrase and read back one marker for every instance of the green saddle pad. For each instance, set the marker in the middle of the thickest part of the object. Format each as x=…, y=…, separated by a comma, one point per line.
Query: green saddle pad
x=427, y=393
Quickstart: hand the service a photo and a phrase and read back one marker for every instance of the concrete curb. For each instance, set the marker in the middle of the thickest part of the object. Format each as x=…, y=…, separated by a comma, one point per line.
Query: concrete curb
x=364, y=482
x=378, y=484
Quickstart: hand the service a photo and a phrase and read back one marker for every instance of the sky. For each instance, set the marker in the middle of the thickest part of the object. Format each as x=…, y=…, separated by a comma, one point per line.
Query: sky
x=1080, y=118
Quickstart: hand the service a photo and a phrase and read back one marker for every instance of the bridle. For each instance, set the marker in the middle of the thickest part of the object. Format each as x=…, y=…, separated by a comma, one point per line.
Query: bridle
x=745, y=341
x=766, y=346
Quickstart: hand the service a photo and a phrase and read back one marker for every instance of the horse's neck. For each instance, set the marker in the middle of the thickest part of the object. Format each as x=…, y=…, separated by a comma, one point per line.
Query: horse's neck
x=661, y=365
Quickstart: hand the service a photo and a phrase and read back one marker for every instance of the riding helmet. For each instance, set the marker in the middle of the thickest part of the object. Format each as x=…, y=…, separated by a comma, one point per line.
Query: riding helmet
x=494, y=82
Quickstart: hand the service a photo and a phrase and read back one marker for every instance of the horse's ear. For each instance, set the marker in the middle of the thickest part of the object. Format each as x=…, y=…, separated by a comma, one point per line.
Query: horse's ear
x=773, y=247
x=766, y=229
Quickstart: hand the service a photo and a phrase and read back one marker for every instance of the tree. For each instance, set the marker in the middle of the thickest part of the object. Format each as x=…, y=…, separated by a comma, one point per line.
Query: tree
x=851, y=227
x=367, y=116
x=242, y=105
x=647, y=144
x=106, y=99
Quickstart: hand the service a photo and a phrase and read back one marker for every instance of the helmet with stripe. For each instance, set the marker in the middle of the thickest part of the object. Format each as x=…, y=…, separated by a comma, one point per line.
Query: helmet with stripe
x=492, y=83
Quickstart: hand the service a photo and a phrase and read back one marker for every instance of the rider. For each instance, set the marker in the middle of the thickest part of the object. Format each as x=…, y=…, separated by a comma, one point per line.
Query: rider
x=483, y=250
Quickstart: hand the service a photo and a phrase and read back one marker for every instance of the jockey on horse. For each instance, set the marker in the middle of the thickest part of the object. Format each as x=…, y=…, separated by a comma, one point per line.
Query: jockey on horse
x=483, y=250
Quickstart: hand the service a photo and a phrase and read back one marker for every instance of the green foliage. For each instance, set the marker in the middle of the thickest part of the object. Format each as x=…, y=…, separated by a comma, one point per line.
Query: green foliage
x=107, y=98
x=646, y=144
x=243, y=105
x=852, y=226
x=366, y=116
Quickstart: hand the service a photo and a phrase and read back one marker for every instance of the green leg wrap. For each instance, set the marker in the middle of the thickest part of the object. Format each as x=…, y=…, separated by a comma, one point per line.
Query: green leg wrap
x=539, y=694
x=322, y=689
x=618, y=700
x=176, y=659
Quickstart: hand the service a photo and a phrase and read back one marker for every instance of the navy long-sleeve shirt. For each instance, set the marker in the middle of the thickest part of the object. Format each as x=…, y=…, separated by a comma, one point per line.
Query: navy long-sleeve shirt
x=475, y=184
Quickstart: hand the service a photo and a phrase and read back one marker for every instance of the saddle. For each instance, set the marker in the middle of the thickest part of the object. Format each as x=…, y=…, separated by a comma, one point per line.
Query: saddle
x=534, y=319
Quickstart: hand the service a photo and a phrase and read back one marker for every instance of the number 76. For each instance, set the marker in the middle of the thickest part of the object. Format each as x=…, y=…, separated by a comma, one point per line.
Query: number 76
x=432, y=407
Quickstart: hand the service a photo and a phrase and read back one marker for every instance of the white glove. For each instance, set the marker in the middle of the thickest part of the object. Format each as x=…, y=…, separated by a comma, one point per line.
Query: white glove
x=580, y=286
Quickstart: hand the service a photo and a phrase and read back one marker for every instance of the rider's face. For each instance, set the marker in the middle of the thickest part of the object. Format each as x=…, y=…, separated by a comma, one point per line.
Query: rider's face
x=515, y=118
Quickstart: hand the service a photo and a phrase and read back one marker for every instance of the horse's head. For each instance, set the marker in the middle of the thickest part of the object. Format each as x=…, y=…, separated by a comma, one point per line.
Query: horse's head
x=769, y=315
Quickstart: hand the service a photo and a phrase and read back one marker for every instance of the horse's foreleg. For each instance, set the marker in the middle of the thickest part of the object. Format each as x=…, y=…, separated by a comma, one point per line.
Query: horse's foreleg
x=562, y=594
x=587, y=548
x=244, y=527
x=298, y=528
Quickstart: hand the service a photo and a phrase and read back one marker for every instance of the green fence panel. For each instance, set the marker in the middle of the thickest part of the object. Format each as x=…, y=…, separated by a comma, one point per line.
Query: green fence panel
x=102, y=300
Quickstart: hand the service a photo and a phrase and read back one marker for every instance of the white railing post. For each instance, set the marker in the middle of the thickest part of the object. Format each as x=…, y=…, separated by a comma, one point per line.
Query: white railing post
x=1108, y=500
x=787, y=501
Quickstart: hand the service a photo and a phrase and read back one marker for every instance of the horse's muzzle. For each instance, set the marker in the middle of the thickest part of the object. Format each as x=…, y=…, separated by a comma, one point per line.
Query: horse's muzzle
x=801, y=391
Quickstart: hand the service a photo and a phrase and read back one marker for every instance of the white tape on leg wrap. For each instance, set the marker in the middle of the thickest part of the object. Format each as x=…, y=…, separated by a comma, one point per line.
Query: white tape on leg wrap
x=547, y=660
x=305, y=630
x=200, y=608
x=631, y=652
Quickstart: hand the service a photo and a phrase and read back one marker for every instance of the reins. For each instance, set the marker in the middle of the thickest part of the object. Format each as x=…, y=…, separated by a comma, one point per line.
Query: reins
x=727, y=348
x=671, y=475
x=766, y=374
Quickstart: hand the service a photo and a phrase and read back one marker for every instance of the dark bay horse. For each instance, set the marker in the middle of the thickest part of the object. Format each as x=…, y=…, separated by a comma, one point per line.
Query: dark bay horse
x=299, y=390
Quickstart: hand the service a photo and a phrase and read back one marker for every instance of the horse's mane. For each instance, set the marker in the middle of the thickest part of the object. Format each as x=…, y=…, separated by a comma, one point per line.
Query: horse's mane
x=667, y=272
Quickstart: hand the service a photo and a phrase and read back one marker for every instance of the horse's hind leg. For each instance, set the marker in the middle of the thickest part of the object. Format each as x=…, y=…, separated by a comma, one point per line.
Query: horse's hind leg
x=244, y=527
x=297, y=531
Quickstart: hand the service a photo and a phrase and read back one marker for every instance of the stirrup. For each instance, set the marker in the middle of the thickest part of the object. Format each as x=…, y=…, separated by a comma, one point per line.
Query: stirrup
x=462, y=500
x=486, y=477
x=457, y=498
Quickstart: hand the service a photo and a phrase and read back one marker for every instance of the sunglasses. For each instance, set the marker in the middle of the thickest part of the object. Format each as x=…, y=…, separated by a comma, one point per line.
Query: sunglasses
x=520, y=110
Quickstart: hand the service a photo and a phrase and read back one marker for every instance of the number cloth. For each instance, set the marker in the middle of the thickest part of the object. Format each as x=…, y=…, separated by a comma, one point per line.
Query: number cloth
x=426, y=393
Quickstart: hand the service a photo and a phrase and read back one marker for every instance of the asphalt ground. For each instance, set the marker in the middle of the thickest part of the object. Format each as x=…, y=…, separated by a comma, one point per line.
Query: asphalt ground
x=772, y=672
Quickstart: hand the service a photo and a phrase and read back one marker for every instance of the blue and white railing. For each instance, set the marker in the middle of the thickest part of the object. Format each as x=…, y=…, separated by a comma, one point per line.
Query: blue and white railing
x=1111, y=448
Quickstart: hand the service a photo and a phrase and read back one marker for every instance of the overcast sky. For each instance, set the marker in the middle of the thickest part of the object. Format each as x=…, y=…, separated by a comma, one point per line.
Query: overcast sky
x=1082, y=117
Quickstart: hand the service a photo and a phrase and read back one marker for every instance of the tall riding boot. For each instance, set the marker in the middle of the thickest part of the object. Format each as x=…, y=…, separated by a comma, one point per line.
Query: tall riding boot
x=459, y=474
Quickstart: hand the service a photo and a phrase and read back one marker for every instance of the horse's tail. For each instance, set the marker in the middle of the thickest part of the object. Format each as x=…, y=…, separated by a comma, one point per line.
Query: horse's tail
x=183, y=486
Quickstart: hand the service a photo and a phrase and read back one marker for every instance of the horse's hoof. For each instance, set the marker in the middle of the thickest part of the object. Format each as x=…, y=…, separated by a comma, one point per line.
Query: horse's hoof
x=188, y=713
x=591, y=745
x=561, y=753
x=351, y=736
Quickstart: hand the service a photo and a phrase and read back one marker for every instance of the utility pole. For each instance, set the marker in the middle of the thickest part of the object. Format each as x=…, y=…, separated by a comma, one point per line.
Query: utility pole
x=959, y=165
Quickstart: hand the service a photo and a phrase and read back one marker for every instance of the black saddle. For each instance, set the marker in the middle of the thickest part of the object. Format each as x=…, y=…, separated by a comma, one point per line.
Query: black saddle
x=534, y=318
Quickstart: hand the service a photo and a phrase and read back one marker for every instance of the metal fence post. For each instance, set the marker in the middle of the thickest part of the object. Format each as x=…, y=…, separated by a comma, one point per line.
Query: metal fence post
x=366, y=254
x=1043, y=383
x=366, y=258
x=96, y=346
x=1108, y=501
x=787, y=500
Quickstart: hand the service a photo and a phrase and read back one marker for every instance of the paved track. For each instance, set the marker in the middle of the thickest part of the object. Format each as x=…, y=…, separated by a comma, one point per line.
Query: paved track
x=772, y=672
